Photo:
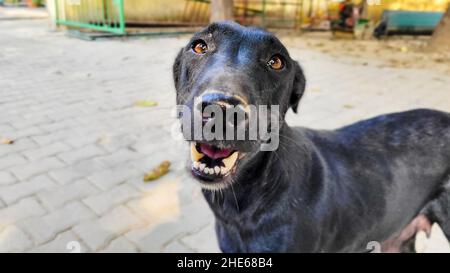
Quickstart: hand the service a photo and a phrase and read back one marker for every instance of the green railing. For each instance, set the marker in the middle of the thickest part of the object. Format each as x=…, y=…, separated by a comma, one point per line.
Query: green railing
x=100, y=15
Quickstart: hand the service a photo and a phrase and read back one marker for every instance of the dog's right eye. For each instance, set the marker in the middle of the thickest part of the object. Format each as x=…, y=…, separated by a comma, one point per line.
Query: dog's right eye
x=276, y=62
x=199, y=47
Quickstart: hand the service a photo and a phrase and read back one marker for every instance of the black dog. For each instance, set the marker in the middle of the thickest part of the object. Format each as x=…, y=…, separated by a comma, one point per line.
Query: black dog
x=381, y=179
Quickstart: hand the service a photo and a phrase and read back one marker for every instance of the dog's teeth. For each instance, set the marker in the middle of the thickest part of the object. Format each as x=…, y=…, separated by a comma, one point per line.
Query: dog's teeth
x=206, y=170
x=217, y=169
x=230, y=161
x=195, y=164
x=223, y=170
x=195, y=155
x=202, y=166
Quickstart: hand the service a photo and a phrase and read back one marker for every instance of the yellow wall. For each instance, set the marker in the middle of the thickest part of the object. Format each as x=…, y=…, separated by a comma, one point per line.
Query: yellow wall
x=160, y=10
x=172, y=10
x=153, y=11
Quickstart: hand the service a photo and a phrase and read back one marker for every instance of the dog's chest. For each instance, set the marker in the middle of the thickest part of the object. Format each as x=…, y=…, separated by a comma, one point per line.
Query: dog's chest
x=244, y=236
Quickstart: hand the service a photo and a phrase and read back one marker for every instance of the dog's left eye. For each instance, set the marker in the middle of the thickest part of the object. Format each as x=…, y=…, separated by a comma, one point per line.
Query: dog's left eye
x=276, y=62
x=199, y=47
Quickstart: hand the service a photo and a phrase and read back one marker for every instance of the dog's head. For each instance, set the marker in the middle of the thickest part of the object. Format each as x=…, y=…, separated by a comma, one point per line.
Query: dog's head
x=230, y=67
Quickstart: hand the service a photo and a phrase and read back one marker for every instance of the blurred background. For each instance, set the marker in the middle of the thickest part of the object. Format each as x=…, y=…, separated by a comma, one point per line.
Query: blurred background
x=87, y=107
x=127, y=15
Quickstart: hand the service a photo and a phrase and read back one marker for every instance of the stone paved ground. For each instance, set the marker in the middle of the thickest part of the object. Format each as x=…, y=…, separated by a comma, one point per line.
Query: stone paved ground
x=81, y=146
x=14, y=13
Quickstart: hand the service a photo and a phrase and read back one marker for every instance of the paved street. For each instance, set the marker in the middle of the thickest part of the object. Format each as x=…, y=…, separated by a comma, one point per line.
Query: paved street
x=82, y=146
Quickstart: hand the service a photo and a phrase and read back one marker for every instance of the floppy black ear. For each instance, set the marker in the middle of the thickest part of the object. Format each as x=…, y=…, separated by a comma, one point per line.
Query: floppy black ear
x=297, y=88
x=176, y=69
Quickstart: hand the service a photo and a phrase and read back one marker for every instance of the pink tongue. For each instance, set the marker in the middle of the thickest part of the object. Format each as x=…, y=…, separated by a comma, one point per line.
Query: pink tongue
x=213, y=153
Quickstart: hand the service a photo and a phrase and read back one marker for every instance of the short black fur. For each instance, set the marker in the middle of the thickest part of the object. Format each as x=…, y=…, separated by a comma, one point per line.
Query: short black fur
x=320, y=191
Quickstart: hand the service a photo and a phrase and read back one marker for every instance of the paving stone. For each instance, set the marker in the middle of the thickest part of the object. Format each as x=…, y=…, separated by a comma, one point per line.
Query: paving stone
x=117, y=158
x=74, y=156
x=43, y=229
x=12, y=160
x=108, y=178
x=59, y=196
x=14, y=192
x=158, y=205
x=202, y=241
x=32, y=169
x=177, y=247
x=153, y=239
x=120, y=245
x=25, y=208
x=26, y=132
x=6, y=178
x=97, y=233
x=46, y=151
x=13, y=239
x=62, y=244
x=19, y=145
x=77, y=171
x=103, y=202
x=47, y=139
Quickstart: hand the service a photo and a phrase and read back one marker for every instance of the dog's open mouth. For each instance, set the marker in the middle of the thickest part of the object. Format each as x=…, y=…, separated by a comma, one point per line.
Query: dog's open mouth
x=211, y=163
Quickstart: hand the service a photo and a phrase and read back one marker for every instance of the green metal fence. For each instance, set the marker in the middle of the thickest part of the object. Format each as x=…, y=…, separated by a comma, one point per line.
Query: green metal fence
x=100, y=15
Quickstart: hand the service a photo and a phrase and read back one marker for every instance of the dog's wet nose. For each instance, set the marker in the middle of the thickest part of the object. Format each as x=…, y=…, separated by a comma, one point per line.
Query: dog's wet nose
x=232, y=110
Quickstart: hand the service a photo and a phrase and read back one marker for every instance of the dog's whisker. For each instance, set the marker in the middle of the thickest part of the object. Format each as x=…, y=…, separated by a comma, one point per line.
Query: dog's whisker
x=235, y=198
x=282, y=163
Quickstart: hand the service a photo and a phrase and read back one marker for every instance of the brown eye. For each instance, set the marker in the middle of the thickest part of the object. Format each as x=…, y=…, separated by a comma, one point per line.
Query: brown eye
x=276, y=63
x=199, y=47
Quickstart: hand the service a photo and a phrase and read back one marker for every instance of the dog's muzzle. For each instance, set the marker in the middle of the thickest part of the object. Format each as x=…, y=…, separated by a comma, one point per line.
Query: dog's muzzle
x=215, y=156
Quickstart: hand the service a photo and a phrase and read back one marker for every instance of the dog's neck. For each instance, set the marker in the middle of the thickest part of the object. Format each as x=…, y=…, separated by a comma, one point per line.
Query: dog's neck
x=267, y=177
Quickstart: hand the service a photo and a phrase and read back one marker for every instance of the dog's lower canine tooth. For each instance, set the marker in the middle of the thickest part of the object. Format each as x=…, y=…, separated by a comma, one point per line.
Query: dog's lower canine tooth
x=195, y=155
x=230, y=161
x=202, y=166
x=217, y=169
x=196, y=164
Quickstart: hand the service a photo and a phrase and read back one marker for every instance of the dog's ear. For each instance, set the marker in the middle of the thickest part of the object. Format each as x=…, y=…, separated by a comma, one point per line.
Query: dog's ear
x=176, y=69
x=298, y=87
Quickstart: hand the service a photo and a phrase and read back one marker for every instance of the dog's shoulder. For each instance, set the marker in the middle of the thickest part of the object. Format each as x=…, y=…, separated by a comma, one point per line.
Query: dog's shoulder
x=414, y=126
x=410, y=122
x=413, y=129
